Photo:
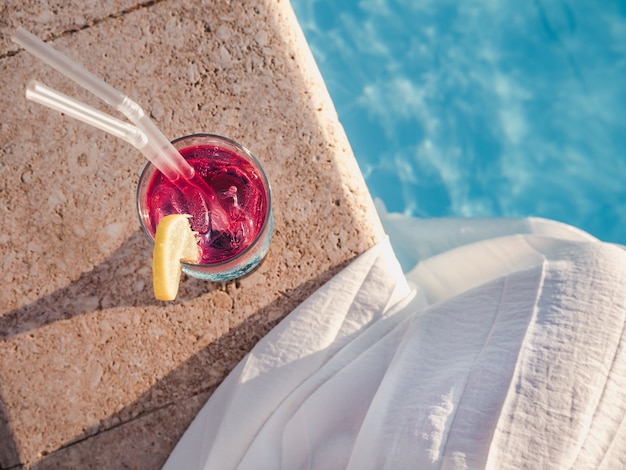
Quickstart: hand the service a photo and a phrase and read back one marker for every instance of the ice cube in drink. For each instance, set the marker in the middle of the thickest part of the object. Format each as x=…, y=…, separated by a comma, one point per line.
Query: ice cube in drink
x=232, y=217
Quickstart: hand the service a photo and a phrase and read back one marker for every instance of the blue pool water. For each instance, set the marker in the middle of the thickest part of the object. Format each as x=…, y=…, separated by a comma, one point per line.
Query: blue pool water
x=482, y=108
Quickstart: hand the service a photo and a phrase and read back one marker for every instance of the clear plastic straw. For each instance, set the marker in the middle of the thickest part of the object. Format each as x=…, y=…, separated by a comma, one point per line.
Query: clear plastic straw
x=146, y=137
x=40, y=93
x=164, y=156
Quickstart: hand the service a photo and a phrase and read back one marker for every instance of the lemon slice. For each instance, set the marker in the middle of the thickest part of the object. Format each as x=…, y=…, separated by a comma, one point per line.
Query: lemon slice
x=174, y=241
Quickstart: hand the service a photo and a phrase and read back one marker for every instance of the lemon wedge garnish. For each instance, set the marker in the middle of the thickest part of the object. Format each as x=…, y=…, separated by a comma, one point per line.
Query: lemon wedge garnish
x=174, y=241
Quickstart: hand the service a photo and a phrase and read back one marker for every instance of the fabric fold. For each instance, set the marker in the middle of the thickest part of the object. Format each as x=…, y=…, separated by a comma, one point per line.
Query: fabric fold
x=289, y=354
x=566, y=404
x=497, y=347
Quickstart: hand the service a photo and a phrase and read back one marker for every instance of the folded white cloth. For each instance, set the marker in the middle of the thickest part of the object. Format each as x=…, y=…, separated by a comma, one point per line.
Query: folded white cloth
x=497, y=350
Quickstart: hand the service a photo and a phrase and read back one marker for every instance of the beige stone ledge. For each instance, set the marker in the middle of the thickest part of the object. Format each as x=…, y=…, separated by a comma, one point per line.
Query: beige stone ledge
x=93, y=371
x=51, y=19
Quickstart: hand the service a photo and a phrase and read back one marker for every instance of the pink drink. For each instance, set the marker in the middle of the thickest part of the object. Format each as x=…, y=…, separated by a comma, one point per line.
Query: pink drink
x=231, y=215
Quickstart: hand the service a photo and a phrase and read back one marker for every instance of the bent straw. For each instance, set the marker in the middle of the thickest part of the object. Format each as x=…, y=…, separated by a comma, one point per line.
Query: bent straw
x=40, y=93
x=152, y=143
x=165, y=157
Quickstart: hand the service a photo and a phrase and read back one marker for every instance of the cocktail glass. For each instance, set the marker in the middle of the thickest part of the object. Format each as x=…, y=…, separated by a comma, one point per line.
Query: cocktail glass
x=236, y=243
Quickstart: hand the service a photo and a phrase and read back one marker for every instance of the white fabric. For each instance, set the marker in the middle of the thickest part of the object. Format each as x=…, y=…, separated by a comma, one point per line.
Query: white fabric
x=497, y=350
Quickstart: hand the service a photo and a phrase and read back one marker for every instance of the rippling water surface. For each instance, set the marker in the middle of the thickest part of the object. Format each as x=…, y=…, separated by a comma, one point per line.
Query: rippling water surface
x=482, y=108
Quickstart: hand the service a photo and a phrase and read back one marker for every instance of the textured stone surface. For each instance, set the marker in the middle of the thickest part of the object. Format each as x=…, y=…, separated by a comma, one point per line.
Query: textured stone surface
x=53, y=18
x=88, y=359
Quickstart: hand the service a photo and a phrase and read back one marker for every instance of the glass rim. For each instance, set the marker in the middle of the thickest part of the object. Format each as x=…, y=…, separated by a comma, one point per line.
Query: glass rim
x=256, y=164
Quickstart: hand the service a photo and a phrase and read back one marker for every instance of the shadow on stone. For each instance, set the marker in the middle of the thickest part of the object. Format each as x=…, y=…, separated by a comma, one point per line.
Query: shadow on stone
x=112, y=283
x=143, y=434
x=8, y=448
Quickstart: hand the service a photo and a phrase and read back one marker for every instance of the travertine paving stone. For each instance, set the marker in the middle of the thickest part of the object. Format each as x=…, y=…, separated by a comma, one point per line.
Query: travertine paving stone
x=94, y=373
x=52, y=18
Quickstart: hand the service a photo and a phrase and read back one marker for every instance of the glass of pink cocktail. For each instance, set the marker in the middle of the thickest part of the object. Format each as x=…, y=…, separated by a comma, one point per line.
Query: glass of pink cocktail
x=229, y=200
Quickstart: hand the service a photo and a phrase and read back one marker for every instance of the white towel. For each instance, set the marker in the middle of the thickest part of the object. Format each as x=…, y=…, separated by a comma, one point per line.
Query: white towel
x=496, y=352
